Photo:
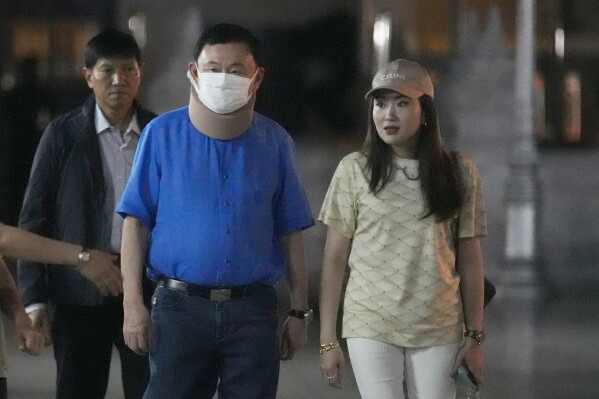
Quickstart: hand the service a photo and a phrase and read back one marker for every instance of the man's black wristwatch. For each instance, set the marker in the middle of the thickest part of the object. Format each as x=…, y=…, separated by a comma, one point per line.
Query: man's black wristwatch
x=305, y=315
x=478, y=336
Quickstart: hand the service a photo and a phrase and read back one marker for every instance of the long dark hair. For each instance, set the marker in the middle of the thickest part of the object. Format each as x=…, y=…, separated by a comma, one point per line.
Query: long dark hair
x=440, y=179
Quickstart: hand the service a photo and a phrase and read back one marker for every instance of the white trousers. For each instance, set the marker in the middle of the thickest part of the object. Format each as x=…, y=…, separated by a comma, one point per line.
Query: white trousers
x=381, y=368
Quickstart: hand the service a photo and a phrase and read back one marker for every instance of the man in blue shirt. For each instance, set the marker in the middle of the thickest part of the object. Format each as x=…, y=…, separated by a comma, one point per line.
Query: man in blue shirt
x=215, y=202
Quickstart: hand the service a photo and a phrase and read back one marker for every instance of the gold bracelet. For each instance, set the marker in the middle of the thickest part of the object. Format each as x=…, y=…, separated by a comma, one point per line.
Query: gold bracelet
x=328, y=347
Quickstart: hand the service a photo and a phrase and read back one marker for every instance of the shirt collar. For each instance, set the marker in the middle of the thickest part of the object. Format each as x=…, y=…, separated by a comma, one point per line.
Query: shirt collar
x=102, y=123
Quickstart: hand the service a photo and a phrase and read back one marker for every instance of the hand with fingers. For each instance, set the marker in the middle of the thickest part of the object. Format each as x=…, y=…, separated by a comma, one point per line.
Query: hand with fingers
x=29, y=340
x=137, y=328
x=101, y=270
x=332, y=363
x=295, y=336
x=40, y=322
x=471, y=353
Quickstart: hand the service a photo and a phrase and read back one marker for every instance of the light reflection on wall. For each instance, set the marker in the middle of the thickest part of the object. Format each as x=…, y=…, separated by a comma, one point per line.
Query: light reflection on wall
x=572, y=107
x=434, y=27
x=381, y=37
x=58, y=44
x=30, y=39
x=137, y=26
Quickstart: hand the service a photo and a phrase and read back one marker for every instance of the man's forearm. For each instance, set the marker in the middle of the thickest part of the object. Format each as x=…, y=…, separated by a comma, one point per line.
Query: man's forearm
x=297, y=274
x=133, y=249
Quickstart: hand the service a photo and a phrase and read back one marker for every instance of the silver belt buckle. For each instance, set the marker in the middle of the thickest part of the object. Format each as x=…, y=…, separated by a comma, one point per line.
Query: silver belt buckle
x=220, y=295
x=175, y=285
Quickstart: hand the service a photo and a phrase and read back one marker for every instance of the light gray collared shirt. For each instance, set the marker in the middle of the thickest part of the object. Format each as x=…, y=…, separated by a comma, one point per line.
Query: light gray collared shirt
x=118, y=150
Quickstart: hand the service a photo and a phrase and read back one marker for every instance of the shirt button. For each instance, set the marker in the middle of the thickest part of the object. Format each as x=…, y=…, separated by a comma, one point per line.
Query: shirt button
x=225, y=177
x=227, y=260
x=227, y=203
x=228, y=231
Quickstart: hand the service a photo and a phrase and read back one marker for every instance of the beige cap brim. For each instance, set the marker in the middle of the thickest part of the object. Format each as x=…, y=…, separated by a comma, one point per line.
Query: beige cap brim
x=406, y=91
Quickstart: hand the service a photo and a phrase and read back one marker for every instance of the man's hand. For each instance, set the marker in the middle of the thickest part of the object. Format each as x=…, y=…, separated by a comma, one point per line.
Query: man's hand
x=137, y=328
x=40, y=322
x=102, y=271
x=295, y=335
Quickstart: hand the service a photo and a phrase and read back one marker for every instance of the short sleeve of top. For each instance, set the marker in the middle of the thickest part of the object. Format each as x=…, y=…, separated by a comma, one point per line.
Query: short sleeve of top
x=339, y=207
x=143, y=189
x=403, y=288
x=472, y=222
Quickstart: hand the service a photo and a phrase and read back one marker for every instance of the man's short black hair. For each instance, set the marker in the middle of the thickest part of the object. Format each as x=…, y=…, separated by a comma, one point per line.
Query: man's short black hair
x=111, y=43
x=229, y=33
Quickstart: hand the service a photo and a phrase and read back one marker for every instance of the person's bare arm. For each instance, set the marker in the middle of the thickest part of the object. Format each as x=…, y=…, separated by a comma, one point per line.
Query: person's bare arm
x=471, y=269
x=336, y=254
x=137, y=324
x=296, y=331
x=100, y=269
x=28, y=339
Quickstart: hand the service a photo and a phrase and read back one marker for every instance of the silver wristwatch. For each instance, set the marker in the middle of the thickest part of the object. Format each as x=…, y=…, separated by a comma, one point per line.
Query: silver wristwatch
x=82, y=257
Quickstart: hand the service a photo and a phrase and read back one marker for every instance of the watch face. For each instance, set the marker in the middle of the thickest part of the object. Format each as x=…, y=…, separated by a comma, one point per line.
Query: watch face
x=84, y=256
x=305, y=315
x=308, y=314
x=479, y=336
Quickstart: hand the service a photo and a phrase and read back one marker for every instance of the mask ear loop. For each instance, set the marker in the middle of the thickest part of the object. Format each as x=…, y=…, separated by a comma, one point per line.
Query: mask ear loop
x=192, y=81
x=252, y=80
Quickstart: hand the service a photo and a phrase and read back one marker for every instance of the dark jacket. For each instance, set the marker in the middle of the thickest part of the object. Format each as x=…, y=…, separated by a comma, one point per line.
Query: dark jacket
x=64, y=200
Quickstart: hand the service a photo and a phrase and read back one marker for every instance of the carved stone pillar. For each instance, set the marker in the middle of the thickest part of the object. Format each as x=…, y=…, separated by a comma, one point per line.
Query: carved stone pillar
x=520, y=275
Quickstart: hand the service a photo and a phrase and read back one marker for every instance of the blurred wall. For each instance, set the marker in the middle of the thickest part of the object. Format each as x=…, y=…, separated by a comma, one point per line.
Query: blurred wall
x=309, y=50
x=314, y=86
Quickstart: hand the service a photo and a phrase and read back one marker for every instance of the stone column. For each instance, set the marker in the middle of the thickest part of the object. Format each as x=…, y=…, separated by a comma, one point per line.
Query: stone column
x=520, y=276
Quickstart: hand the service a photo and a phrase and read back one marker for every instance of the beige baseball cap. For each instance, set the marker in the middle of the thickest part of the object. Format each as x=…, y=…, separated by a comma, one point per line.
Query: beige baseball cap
x=405, y=77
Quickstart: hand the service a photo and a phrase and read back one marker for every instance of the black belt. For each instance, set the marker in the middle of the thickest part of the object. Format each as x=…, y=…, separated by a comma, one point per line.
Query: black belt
x=214, y=294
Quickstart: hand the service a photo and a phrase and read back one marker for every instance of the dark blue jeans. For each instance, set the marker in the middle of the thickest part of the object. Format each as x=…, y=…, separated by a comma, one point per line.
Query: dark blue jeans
x=199, y=346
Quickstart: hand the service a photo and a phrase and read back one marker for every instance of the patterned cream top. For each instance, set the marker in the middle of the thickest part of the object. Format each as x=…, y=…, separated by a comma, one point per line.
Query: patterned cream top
x=403, y=288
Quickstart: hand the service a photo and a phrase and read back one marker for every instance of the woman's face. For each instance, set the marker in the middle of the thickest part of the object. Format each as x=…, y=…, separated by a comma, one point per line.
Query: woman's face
x=397, y=119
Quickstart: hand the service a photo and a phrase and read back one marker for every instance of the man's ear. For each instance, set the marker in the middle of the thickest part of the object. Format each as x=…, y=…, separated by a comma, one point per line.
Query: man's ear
x=192, y=67
x=258, y=80
x=87, y=75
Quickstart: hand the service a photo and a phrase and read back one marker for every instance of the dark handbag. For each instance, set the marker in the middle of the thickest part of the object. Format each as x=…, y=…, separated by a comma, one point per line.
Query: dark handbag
x=489, y=287
x=489, y=291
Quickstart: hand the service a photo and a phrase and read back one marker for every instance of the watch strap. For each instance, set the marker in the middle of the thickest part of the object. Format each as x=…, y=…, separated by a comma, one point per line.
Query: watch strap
x=478, y=336
x=300, y=314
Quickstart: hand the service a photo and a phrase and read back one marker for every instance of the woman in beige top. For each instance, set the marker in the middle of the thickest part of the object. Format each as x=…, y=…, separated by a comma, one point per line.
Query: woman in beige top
x=413, y=310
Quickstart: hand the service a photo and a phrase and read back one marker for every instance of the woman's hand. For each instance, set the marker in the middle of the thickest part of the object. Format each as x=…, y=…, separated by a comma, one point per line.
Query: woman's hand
x=471, y=353
x=332, y=366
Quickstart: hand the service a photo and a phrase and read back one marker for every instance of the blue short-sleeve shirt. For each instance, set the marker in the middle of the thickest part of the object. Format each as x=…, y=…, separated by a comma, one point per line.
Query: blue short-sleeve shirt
x=216, y=208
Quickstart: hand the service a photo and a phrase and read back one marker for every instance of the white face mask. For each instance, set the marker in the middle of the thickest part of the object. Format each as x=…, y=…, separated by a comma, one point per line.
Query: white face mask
x=222, y=93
